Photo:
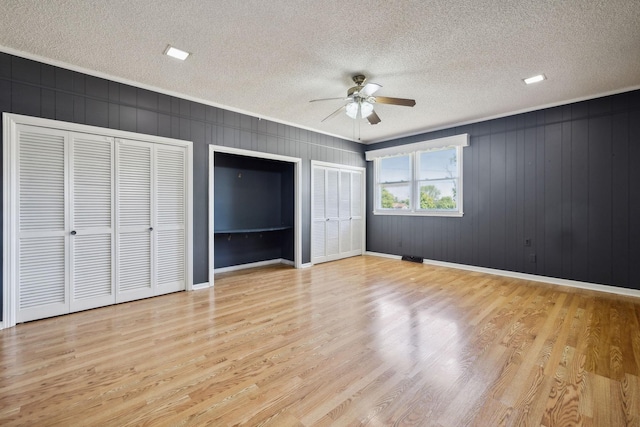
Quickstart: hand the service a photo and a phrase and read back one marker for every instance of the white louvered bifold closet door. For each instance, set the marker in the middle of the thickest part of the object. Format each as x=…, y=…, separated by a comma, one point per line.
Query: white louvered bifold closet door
x=345, y=211
x=318, y=238
x=357, y=212
x=332, y=200
x=134, y=217
x=92, y=282
x=42, y=223
x=170, y=218
x=337, y=213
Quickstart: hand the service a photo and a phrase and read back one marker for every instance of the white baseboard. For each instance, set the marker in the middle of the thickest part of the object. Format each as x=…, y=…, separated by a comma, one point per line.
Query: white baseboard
x=525, y=276
x=381, y=255
x=287, y=262
x=199, y=286
x=306, y=265
x=252, y=265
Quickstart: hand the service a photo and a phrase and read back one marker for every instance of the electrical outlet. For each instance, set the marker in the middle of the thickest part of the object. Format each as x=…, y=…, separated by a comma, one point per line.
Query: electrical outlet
x=527, y=241
x=532, y=258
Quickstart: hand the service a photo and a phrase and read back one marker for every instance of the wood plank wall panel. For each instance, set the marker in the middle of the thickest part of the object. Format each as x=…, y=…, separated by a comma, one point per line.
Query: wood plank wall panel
x=634, y=195
x=35, y=89
x=564, y=177
x=620, y=197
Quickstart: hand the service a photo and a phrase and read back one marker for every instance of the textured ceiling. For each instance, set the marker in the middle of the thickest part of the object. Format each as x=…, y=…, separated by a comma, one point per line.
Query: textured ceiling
x=462, y=61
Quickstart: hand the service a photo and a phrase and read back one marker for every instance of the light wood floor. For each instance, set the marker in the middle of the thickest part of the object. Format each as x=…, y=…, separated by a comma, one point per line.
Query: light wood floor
x=362, y=341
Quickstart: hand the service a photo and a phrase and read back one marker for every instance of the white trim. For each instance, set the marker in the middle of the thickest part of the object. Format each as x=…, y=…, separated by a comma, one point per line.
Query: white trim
x=9, y=223
x=287, y=262
x=10, y=188
x=407, y=212
x=297, y=189
x=210, y=211
x=306, y=265
x=526, y=276
x=337, y=166
x=461, y=140
x=252, y=265
x=95, y=130
x=382, y=255
x=200, y=286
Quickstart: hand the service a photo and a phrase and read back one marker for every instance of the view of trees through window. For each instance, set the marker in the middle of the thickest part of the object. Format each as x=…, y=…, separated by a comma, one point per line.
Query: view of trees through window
x=389, y=201
x=430, y=198
x=433, y=180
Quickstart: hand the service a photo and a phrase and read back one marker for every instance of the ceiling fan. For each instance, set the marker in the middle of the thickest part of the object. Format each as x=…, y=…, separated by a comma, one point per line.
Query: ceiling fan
x=360, y=101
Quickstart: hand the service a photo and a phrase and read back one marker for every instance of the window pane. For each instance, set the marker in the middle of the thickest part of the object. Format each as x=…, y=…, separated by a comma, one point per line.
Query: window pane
x=438, y=164
x=395, y=169
x=395, y=196
x=438, y=195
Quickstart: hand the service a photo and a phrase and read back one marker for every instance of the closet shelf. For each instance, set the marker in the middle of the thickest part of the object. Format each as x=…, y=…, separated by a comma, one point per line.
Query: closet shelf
x=252, y=230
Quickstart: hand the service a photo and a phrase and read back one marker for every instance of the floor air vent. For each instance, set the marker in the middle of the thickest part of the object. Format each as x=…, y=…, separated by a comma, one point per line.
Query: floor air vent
x=412, y=258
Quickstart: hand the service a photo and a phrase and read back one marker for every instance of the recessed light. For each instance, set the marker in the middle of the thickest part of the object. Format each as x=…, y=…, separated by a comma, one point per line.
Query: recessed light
x=535, y=79
x=176, y=53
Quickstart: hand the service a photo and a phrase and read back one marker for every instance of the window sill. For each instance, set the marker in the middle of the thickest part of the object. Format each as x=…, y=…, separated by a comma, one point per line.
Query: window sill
x=400, y=212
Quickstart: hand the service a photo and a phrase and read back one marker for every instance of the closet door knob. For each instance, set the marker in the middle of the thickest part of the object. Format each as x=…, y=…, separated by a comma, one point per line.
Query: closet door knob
x=73, y=232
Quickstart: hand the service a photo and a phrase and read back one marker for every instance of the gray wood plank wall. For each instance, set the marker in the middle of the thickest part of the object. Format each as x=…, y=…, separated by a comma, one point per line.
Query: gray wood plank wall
x=567, y=177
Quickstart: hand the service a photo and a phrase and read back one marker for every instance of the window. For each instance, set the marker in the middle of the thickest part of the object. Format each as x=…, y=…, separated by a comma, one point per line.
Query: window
x=420, y=179
x=394, y=178
x=437, y=179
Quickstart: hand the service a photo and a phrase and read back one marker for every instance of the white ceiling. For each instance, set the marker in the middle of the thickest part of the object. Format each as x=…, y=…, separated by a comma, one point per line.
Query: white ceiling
x=462, y=61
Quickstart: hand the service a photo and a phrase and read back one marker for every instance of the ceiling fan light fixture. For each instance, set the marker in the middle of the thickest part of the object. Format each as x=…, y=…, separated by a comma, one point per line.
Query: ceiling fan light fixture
x=366, y=108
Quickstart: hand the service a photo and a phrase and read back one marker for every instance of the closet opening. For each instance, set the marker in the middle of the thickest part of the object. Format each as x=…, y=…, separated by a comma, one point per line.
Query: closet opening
x=254, y=210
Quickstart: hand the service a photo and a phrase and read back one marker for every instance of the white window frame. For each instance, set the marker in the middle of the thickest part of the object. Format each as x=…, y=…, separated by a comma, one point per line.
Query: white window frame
x=413, y=151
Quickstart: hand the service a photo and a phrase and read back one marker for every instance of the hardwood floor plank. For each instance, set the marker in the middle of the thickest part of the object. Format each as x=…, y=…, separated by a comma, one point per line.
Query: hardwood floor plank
x=361, y=341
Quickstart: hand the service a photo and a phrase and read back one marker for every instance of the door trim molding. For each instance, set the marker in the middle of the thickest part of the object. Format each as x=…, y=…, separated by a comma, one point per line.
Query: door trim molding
x=10, y=122
x=297, y=203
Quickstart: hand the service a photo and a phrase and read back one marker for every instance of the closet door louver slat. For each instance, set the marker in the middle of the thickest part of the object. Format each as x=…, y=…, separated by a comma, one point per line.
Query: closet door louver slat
x=135, y=262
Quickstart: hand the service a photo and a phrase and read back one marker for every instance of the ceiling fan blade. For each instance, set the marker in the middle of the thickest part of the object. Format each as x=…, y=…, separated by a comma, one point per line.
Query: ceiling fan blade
x=369, y=89
x=395, y=101
x=373, y=118
x=330, y=99
x=335, y=113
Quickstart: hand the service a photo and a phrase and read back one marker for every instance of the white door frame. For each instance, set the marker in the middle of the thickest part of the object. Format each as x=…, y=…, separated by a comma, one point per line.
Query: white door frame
x=363, y=189
x=297, y=173
x=10, y=122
